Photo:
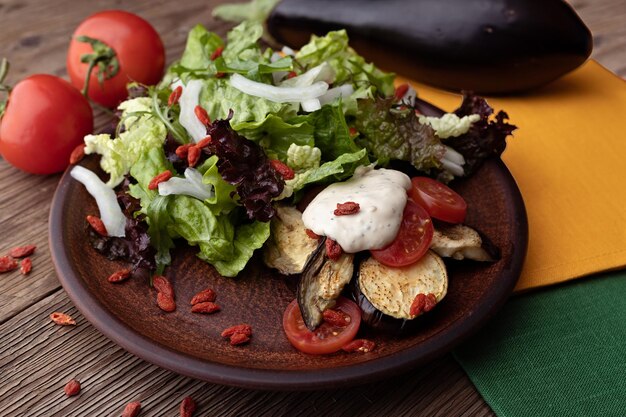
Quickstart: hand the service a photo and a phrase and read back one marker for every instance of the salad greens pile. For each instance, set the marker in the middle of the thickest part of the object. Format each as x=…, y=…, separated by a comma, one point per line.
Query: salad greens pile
x=339, y=113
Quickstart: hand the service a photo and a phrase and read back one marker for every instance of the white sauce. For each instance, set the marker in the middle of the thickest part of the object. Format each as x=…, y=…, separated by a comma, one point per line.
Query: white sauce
x=381, y=195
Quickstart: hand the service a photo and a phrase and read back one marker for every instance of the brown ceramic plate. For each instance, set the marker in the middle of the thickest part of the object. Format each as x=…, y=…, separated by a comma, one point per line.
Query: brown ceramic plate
x=190, y=344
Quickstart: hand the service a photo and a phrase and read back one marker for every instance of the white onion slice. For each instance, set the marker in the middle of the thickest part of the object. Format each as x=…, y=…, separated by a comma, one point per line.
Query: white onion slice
x=188, y=101
x=311, y=105
x=454, y=156
x=191, y=185
x=288, y=51
x=323, y=72
x=277, y=94
x=110, y=211
x=332, y=94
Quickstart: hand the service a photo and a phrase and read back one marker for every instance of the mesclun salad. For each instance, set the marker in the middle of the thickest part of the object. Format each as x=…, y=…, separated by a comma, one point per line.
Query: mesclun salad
x=219, y=153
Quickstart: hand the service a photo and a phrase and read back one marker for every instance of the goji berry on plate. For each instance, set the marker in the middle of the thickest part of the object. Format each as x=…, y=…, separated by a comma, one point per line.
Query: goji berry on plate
x=96, y=224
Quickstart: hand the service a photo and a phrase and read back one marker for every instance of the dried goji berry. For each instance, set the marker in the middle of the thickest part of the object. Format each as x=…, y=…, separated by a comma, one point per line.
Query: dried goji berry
x=187, y=407
x=204, y=296
x=7, y=264
x=202, y=115
x=204, y=142
x=206, y=307
x=292, y=74
x=431, y=302
x=72, y=388
x=336, y=317
x=422, y=304
x=193, y=155
x=353, y=131
x=286, y=172
x=26, y=267
x=333, y=249
x=96, y=224
x=119, y=276
x=217, y=53
x=181, y=151
x=239, y=339
x=347, y=208
x=359, y=345
x=77, y=154
x=158, y=179
x=22, y=251
x=219, y=75
x=162, y=284
x=166, y=302
x=62, y=319
x=239, y=328
x=401, y=90
x=310, y=233
x=132, y=409
x=175, y=96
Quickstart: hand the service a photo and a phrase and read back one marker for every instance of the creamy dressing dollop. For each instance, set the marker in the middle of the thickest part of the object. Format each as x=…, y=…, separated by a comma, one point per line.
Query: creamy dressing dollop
x=381, y=195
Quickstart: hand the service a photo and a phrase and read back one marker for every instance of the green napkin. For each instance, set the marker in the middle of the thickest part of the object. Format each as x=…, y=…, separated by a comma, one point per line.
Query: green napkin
x=556, y=352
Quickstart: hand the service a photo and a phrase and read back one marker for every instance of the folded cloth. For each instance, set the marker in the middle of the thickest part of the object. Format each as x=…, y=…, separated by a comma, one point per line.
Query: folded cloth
x=568, y=158
x=559, y=351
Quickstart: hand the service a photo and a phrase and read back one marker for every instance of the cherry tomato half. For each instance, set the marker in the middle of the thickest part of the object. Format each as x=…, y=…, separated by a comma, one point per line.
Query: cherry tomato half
x=411, y=242
x=438, y=199
x=326, y=338
x=45, y=119
x=138, y=48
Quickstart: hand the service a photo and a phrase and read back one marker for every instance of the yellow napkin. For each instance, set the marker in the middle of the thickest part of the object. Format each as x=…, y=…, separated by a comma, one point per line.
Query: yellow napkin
x=568, y=158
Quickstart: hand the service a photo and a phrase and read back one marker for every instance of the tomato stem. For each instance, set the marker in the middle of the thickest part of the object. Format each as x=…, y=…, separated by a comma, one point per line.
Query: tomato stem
x=4, y=70
x=103, y=56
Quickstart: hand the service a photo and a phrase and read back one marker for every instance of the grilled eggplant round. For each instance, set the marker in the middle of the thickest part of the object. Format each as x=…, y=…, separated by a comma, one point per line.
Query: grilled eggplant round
x=385, y=294
x=490, y=47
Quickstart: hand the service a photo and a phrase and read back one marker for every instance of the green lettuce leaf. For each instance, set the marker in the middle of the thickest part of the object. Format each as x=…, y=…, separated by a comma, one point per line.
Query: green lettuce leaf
x=193, y=221
x=348, y=65
x=394, y=134
x=200, y=46
x=218, y=98
x=338, y=170
x=248, y=238
x=159, y=219
x=142, y=132
x=276, y=135
x=254, y=11
x=331, y=132
x=226, y=247
x=149, y=165
x=222, y=202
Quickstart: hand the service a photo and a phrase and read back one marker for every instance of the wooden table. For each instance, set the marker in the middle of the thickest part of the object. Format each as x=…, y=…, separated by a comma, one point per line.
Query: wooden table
x=38, y=358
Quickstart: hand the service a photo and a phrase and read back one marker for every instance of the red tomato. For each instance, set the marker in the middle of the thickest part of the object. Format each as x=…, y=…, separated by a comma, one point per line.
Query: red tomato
x=45, y=119
x=438, y=199
x=411, y=242
x=326, y=338
x=138, y=47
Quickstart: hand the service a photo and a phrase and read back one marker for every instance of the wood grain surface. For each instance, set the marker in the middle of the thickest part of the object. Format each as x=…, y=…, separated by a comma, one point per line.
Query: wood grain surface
x=38, y=358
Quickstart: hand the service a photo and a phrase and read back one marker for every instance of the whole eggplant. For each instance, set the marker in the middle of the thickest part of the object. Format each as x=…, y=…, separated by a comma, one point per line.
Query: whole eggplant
x=487, y=46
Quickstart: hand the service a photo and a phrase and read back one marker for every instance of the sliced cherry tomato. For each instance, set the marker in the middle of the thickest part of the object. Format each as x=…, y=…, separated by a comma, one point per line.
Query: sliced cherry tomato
x=137, y=47
x=438, y=199
x=411, y=242
x=44, y=120
x=326, y=338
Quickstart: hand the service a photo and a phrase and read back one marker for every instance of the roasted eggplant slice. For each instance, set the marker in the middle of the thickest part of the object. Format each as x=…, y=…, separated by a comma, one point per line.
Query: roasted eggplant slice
x=459, y=242
x=386, y=294
x=321, y=283
x=289, y=245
